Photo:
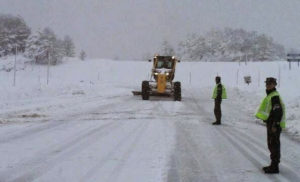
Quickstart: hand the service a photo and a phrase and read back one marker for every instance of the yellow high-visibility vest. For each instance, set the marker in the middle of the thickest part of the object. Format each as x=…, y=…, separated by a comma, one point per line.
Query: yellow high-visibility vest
x=224, y=94
x=265, y=107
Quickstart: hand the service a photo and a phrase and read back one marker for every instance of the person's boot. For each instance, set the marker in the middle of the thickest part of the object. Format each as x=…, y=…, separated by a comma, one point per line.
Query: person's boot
x=272, y=169
x=216, y=123
x=266, y=167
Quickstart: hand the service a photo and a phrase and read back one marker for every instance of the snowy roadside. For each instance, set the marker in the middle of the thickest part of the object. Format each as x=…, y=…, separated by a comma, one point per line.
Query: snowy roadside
x=249, y=101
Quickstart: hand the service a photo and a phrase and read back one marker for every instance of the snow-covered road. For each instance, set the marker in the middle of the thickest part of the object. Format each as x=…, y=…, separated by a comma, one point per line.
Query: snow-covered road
x=122, y=138
x=115, y=138
x=234, y=151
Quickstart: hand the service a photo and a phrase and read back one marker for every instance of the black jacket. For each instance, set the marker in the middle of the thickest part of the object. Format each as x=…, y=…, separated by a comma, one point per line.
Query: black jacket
x=276, y=111
x=219, y=92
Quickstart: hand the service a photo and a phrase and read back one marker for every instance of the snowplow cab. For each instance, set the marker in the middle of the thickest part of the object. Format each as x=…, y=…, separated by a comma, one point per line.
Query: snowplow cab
x=161, y=81
x=164, y=65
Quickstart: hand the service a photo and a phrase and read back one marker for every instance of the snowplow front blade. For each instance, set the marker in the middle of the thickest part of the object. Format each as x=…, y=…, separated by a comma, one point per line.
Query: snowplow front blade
x=161, y=94
x=136, y=92
x=153, y=94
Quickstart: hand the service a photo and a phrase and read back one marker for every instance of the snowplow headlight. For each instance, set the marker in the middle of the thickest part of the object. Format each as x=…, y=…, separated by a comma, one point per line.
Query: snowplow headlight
x=155, y=73
x=167, y=74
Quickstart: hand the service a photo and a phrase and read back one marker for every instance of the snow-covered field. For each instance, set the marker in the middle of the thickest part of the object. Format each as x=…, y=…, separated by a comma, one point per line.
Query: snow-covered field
x=85, y=125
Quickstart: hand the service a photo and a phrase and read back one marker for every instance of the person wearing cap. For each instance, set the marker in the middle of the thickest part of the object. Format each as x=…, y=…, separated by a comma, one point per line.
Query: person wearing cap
x=272, y=112
x=219, y=93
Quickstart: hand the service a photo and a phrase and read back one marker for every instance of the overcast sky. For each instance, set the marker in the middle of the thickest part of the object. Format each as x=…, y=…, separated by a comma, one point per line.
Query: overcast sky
x=129, y=29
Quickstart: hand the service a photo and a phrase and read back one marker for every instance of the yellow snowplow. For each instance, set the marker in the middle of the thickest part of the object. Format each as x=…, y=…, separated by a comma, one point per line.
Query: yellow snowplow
x=161, y=81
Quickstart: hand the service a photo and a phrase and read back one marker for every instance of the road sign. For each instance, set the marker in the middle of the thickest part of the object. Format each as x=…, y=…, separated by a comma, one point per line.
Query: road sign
x=293, y=57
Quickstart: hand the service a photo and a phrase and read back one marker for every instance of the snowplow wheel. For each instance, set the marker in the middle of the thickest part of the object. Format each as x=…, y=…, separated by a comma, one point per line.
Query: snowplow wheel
x=145, y=90
x=177, y=91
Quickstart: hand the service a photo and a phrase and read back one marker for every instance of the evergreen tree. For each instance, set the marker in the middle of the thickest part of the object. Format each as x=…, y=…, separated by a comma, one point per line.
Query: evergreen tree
x=43, y=46
x=82, y=55
x=193, y=48
x=13, y=33
x=68, y=47
x=167, y=49
x=231, y=44
x=34, y=47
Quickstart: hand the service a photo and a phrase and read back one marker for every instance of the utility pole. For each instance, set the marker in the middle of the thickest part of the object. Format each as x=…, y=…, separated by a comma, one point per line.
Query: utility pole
x=258, y=78
x=15, y=65
x=48, y=67
x=237, y=77
x=279, y=75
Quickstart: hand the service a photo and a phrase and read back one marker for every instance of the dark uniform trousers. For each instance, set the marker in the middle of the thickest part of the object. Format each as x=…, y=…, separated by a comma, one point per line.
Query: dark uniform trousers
x=273, y=137
x=274, y=142
x=217, y=110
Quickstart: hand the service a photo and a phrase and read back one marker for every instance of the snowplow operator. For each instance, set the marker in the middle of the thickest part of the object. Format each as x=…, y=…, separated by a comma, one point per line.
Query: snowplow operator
x=272, y=112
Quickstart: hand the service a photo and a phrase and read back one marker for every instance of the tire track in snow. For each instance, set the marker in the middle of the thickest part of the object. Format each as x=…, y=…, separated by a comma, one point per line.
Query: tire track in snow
x=204, y=118
x=167, y=112
x=47, y=156
x=43, y=106
x=251, y=156
x=287, y=165
x=186, y=163
x=101, y=163
x=68, y=102
x=50, y=157
x=199, y=171
x=167, y=141
x=261, y=153
x=45, y=160
x=114, y=176
x=173, y=175
x=53, y=125
x=249, y=147
x=26, y=111
x=261, y=145
x=175, y=172
x=92, y=173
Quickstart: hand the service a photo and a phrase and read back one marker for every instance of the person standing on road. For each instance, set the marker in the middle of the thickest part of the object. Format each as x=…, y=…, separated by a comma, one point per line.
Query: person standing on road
x=272, y=112
x=218, y=94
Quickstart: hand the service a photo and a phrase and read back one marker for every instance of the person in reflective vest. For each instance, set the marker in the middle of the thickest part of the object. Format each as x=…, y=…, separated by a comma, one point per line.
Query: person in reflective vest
x=218, y=94
x=272, y=112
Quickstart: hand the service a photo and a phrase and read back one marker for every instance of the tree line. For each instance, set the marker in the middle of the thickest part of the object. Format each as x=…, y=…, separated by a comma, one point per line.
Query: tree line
x=39, y=46
x=227, y=45
x=216, y=45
